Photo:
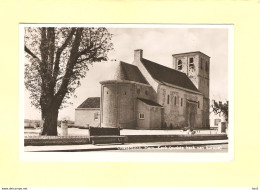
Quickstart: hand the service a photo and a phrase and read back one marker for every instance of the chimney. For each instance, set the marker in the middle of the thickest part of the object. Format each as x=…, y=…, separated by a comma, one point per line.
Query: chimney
x=138, y=54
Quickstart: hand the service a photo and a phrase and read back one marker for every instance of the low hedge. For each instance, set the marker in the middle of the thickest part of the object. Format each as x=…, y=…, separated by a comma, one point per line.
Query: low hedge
x=55, y=140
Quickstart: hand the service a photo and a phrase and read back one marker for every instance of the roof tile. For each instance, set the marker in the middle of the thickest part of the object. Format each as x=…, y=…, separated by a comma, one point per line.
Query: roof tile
x=132, y=73
x=92, y=102
x=149, y=102
x=168, y=75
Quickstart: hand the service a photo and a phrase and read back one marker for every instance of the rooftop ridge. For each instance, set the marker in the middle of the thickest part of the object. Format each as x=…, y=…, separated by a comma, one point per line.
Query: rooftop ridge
x=191, y=52
x=122, y=62
x=131, y=72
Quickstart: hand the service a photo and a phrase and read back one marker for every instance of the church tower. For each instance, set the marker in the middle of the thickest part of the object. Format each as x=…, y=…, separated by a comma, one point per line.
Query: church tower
x=196, y=65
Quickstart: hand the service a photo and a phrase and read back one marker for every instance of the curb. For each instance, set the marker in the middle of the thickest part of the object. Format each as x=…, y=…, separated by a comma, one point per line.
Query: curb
x=116, y=147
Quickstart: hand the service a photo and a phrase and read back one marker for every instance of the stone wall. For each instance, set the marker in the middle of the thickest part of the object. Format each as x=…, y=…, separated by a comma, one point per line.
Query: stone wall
x=119, y=101
x=156, y=117
x=199, y=75
x=191, y=72
x=143, y=109
x=174, y=101
x=109, y=105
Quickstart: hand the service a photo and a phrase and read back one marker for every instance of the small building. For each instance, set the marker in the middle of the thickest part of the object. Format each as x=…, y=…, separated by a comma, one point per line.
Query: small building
x=88, y=113
x=217, y=121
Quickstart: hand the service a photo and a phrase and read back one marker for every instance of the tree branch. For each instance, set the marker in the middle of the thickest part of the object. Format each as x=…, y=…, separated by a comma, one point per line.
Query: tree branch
x=27, y=50
x=87, y=50
x=82, y=60
x=51, y=49
x=69, y=68
x=58, y=54
x=44, y=53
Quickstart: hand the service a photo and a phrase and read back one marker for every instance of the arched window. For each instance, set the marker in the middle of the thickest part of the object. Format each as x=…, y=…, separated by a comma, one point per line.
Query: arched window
x=168, y=99
x=191, y=63
x=179, y=65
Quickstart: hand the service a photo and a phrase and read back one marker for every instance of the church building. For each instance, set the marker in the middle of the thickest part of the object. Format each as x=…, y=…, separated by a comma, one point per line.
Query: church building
x=148, y=95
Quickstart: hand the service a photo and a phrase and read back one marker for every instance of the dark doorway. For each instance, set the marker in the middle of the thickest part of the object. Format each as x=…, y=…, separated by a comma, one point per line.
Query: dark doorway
x=191, y=112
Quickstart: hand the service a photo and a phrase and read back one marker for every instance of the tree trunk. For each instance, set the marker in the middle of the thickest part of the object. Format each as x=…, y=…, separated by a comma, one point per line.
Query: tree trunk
x=50, y=122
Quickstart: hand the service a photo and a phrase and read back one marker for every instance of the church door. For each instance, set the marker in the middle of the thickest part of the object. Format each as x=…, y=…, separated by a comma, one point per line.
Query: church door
x=191, y=112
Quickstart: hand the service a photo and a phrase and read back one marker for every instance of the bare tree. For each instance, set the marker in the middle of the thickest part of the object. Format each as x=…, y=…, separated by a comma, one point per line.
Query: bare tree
x=56, y=60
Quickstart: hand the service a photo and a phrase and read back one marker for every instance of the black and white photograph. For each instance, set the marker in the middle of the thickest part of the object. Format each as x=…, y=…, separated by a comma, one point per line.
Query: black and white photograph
x=122, y=88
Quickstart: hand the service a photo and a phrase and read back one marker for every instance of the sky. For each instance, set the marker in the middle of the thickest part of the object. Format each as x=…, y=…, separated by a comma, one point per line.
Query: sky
x=158, y=45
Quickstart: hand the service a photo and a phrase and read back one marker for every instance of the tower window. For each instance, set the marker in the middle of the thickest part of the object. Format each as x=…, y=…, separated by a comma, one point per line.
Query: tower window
x=181, y=101
x=138, y=90
x=146, y=92
x=179, y=65
x=168, y=99
x=198, y=104
x=191, y=63
x=175, y=100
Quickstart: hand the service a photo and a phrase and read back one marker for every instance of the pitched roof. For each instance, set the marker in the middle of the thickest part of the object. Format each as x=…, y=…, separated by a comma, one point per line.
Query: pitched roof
x=168, y=75
x=130, y=72
x=92, y=102
x=149, y=102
